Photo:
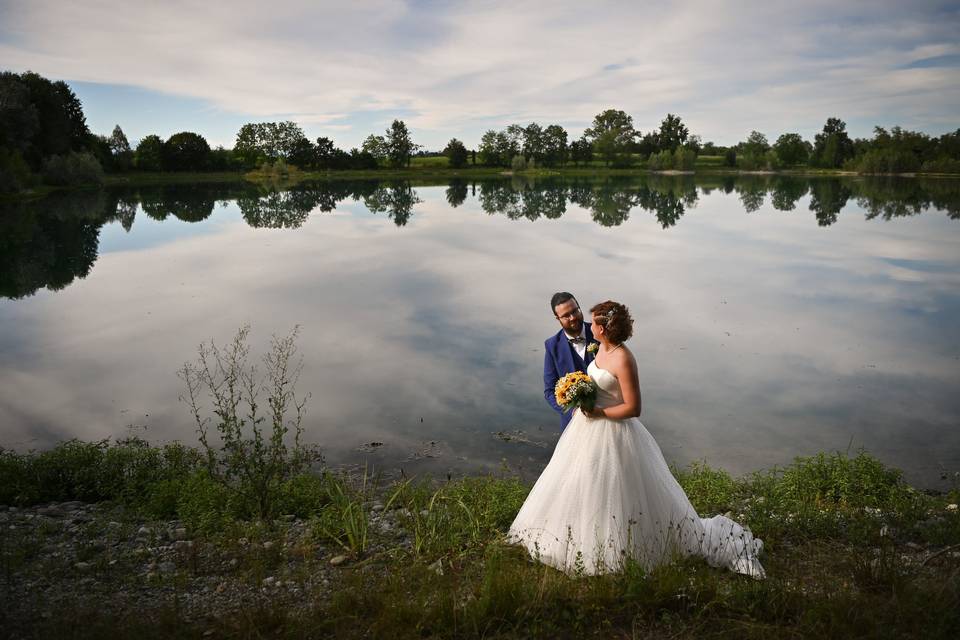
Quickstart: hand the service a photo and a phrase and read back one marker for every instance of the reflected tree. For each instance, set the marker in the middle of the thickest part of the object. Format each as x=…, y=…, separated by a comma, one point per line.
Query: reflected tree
x=753, y=192
x=49, y=242
x=827, y=197
x=786, y=191
x=396, y=200
x=456, y=192
x=190, y=203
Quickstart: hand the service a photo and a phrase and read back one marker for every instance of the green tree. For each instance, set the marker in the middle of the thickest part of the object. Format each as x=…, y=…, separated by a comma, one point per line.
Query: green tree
x=832, y=146
x=247, y=147
x=302, y=154
x=149, y=154
x=581, y=151
x=456, y=152
x=752, y=153
x=612, y=135
x=533, y=141
x=120, y=149
x=377, y=147
x=554, y=146
x=399, y=144
x=673, y=133
x=791, y=149
x=185, y=151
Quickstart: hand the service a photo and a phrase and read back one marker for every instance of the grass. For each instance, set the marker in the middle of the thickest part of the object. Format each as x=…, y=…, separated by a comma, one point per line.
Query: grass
x=837, y=530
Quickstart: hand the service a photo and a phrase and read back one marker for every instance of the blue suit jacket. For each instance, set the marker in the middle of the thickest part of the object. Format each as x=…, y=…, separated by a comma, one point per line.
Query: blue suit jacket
x=559, y=360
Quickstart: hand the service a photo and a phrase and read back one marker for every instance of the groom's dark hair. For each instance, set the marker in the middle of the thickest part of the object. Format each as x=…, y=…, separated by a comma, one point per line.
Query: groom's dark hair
x=559, y=298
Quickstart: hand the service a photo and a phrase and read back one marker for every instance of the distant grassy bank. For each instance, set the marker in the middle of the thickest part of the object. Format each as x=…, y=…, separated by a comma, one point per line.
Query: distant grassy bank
x=851, y=551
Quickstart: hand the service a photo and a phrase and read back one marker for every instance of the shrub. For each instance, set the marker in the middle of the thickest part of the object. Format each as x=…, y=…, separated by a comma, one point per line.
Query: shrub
x=15, y=174
x=250, y=463
x=72, y=170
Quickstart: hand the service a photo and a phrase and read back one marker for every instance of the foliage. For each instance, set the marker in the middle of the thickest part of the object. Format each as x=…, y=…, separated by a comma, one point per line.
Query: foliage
x=15, y=174
x=261, y=141
x=248, y=462
x=457, y=153
x=72, y=169
x=672, y=134
x=791, y=149
x=377, y=147
x=149, y=154
x=832, y=146
x=612, y=135
x=400, y=146
x=519, y=163
x=185, y=151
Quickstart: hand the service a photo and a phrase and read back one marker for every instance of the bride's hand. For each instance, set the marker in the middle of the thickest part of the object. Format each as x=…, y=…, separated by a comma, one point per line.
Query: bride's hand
x=593, y=413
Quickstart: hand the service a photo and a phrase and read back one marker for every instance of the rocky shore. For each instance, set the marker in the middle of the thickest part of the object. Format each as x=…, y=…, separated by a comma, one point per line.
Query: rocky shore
x=73, y=556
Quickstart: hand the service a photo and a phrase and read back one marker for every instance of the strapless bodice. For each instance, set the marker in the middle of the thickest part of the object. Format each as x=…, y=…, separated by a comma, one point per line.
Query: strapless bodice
x=608, y=394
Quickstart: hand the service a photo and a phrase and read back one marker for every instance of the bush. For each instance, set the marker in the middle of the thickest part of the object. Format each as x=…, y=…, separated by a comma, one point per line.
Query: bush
x=519, y=163
x=941, y=165
x=15, y=174
x=662, y=161
x=73, y=169
x=249, y=464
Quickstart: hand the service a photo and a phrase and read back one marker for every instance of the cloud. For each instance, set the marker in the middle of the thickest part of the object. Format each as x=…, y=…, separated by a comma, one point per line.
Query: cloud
x=457, y=68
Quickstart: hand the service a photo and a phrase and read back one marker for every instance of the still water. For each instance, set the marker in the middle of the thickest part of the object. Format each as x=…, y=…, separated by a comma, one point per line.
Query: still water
x=775, y=317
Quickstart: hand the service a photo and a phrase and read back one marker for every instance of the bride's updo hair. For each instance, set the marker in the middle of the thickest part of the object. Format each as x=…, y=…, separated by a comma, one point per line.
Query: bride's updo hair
x=615, y=318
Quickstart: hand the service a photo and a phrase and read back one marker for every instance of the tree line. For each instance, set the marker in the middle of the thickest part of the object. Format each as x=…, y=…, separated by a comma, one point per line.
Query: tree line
x=44, y=138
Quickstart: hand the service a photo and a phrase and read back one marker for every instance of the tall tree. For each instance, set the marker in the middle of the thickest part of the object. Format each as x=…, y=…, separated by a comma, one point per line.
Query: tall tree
x=554, y=145
x=832, y=146
x=120, y=149
x=400, y=145
x=185, y=151
x=533, y=141
x=791, y=149
x=149, y=154
x=673, y=133
x=377, y=147
x=612, y=135
x=456, y=152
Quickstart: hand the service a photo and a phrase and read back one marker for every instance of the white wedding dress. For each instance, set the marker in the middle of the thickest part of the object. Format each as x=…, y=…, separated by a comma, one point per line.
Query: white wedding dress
x=607, y=495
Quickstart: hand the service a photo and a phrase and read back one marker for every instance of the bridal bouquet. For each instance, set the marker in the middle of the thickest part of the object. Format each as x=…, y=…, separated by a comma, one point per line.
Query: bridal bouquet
x=574, y=390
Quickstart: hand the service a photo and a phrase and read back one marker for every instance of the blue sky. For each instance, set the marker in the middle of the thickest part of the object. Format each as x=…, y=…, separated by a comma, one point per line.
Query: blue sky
x=345, y=70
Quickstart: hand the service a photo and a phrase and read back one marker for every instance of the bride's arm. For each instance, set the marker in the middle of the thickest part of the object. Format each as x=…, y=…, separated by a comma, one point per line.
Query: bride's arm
x=626, y=371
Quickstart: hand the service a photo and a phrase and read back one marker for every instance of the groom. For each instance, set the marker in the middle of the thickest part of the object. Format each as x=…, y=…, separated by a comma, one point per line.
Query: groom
x=566, y=351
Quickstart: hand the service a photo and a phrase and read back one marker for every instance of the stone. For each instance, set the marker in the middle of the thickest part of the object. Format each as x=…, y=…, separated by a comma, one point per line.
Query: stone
x=269, y=581
x=167, y=567
x=952, y=507
x=437, y=566
x=144, y=532
x=338, y=560
x=82, y=566
x=268, y=545
x=179, y=534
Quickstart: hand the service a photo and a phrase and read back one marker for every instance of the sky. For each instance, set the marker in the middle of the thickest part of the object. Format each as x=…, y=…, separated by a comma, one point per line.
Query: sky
x=456, y=69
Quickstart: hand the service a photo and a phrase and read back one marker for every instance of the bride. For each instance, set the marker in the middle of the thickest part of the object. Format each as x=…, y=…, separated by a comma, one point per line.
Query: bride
x=607, y=497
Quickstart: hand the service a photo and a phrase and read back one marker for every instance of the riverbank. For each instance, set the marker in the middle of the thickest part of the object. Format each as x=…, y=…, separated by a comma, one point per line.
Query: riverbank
x=155, y=549
x=428, y=172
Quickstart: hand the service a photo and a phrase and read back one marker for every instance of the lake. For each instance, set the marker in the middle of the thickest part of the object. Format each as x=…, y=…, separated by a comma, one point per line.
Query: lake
x=774, y=316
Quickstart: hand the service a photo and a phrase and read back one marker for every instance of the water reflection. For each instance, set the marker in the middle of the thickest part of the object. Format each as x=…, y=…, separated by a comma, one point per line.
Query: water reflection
x=776, y=316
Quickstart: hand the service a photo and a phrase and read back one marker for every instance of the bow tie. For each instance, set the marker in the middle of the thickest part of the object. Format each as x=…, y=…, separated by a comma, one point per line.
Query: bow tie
x=577, y=340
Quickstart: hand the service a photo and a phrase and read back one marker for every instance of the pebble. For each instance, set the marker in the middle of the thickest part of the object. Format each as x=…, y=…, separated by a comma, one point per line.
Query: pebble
x=437, y=566
x=268, y=545
x=269, y=581
x=338, y=560
x=144, y=532
x=952, y=507
x=82, y=566
x=179, y=534
x=167, y=567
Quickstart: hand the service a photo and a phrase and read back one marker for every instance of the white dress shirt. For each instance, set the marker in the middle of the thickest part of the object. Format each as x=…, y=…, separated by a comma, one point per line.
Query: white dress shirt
x=579, y=347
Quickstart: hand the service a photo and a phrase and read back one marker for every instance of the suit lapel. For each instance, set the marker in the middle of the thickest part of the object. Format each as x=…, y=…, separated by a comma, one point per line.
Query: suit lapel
x=589, y=355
